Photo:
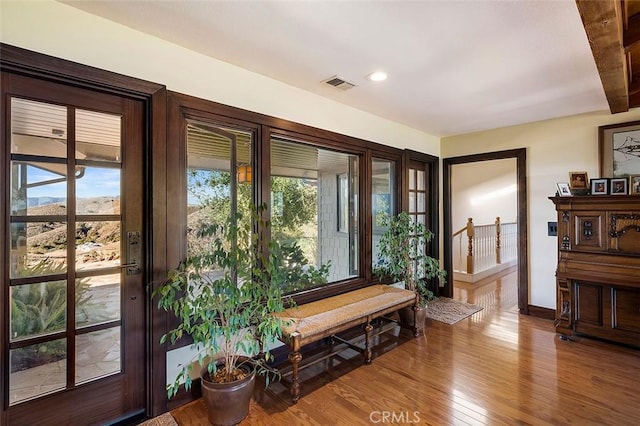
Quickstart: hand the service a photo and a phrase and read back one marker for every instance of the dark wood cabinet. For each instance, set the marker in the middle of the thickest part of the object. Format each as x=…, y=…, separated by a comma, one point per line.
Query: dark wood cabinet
x=598, y=272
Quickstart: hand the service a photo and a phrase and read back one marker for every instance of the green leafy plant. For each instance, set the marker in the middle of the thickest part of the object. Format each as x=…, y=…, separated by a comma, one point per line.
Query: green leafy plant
x=224, y=296
x=297, y=274
x=41, y=308
x=402, y=255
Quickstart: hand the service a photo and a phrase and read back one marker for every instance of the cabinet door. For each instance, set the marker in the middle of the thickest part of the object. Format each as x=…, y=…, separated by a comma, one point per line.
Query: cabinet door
x=588, y=231
x=624, y=232
x=589, y=304
x=626, y=309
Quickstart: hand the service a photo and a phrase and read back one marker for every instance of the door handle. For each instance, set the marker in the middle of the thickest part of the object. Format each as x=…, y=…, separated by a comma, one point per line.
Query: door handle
x=134, y=251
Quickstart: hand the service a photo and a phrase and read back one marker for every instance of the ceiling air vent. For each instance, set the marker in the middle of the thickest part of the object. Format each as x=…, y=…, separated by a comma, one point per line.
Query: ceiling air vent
x=339, y=83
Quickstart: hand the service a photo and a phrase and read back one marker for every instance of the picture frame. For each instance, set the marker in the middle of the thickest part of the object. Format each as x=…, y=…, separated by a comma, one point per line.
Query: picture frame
x=599, y=186
x=578, y=182
x=563, y=189
x=619, y=149
x=634, y=184
x=619, y=186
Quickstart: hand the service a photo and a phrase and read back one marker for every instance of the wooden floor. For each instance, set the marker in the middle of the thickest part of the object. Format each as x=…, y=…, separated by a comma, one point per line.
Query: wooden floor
x=495, y=367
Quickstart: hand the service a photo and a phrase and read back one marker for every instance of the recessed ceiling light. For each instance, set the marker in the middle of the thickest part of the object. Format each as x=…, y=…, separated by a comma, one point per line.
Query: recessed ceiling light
x=378, y=76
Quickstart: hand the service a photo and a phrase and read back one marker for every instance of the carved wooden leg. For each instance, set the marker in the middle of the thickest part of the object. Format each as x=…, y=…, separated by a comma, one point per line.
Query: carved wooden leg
x=295, y=358
x=367, y=343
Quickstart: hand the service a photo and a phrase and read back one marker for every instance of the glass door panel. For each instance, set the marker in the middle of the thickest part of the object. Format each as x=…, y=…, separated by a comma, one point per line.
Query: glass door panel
x=47, y=299
x=98, y=354
x=40, y=217
x=37, y=370
x=98, y=191
x=73, y=175
x=98, y=299
x=38, y=128
x=98, y=136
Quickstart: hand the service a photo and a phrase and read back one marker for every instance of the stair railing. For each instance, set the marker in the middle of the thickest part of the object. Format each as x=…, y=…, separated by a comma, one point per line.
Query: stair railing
x=487, y=245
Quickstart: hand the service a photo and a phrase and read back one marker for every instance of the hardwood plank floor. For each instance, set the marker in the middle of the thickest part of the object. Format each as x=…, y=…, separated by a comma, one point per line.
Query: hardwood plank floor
x=495, y=367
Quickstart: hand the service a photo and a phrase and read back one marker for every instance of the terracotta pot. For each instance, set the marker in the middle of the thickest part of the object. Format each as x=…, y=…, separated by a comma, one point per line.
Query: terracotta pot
x=227, y=403
x=407, y=315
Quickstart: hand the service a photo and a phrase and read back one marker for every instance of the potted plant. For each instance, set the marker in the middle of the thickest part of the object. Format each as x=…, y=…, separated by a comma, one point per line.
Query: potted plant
x=402, y=258
x=224, y=295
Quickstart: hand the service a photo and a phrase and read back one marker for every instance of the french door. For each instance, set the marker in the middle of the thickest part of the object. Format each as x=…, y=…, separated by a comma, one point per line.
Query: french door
x=72, y=296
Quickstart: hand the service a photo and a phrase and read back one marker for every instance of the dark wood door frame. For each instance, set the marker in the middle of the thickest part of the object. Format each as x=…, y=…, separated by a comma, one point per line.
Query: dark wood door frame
x=154, y=97
x=521, y=176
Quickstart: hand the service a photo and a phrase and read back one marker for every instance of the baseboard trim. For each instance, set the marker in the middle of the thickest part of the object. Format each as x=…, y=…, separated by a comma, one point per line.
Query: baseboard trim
x=540, y=312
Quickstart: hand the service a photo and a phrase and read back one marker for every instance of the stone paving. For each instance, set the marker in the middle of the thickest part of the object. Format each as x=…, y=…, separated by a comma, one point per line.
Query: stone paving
x=97, y=353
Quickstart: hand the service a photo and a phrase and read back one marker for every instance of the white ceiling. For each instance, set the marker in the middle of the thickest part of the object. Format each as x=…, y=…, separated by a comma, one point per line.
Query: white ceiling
x=454, y=66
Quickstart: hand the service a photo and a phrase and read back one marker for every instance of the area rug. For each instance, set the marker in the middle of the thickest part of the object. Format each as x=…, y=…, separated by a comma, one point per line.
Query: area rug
x=450, y=311
x=165, y=419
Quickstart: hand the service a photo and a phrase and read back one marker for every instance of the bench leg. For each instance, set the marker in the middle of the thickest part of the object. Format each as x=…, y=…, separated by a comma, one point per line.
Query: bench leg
x=417, y=331
x=367, y=343
x=295, y=358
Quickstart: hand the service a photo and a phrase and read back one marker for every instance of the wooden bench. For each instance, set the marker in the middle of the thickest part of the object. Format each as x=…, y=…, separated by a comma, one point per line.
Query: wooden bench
x=325, y=318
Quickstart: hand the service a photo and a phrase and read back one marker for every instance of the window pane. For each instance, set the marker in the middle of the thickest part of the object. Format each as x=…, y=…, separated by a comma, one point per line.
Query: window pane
x=97, y=299
x=318, y=219
x=98, y=136
x=38, y=188
x=420, y=180
x=421, y=207
x=412, y=202
x=383, y=187
x=38, y=248
x=98, y=191
x=219, y=178
x=38, y=128
x=97, y=354
x=97, y=245
x=38, y=309
x=37, y=370
x=412, y=179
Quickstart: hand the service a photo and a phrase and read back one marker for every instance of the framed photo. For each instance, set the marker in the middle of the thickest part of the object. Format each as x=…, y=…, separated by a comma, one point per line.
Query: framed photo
x=619, y=146
x=578, y=182
x=599, y=186
x=563, y=189
x=618, y=186
x=634, y=184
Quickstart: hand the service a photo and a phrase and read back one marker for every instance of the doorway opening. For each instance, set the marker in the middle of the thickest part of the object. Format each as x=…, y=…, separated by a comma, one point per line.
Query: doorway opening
x=500, y=244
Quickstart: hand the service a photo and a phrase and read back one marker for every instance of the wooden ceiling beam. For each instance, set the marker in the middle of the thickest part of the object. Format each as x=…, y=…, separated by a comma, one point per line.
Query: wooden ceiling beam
x=602, y=22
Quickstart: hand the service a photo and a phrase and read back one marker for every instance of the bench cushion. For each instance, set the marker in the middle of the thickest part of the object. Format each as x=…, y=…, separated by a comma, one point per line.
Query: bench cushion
x=313, y=321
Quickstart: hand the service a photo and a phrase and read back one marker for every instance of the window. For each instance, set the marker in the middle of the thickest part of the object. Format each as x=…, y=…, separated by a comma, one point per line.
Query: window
x=309, y=185
x=383, y=198
x=219, y=179
x=311, y=181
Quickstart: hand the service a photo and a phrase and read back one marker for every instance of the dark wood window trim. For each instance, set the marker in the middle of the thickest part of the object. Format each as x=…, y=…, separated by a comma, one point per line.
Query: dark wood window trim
x=182, y=107
x=521, y=175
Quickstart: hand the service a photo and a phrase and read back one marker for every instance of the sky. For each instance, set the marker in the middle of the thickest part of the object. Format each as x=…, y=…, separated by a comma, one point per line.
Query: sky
x=96, y=182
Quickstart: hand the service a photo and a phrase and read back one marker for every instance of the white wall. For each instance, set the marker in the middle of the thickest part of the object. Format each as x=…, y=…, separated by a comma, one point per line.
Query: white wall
x=554, y=147
x=482, y=191
x=60, y=30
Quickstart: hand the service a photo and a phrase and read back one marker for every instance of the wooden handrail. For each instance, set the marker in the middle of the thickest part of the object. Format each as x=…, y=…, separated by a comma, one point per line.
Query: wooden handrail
x=496, y=237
